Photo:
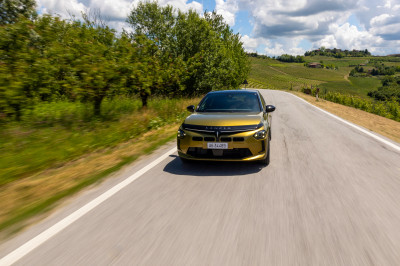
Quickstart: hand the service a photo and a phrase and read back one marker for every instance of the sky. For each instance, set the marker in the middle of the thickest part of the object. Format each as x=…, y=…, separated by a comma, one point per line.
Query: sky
x=274, y=27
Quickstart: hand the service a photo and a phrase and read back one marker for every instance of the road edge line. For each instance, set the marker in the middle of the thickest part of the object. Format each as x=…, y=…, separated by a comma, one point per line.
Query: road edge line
x=38, y=240
x=392, y=145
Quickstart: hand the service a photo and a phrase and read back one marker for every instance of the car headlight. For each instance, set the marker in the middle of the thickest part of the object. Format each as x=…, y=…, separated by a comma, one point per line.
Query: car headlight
x=262, y=134
x=181, y=134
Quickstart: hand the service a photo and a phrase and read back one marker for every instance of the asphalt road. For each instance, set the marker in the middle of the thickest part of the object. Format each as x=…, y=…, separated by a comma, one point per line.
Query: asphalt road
x=330, y=196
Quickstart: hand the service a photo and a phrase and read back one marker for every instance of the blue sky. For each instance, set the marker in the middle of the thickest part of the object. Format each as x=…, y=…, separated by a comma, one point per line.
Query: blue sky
x=278, y=26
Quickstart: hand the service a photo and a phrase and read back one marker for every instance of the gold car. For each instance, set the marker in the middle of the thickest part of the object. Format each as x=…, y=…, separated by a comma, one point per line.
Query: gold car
x=232, y=125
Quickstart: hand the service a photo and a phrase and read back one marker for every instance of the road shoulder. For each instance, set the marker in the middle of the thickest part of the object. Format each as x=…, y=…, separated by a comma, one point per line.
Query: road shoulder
x=381, y=125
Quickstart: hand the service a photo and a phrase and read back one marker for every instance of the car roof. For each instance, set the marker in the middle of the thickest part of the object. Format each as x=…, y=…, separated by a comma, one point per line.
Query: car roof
x=233, y=91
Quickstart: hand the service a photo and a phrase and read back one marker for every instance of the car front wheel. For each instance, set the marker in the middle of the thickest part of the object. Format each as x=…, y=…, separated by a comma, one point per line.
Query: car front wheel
x=265, y=161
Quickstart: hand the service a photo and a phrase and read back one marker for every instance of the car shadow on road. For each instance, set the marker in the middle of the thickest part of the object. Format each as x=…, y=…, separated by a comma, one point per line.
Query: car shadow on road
x=204, y=168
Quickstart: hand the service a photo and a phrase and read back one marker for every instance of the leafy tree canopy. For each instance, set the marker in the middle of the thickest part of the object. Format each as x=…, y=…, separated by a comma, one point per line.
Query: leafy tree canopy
x=12, y=10
x=212, y=54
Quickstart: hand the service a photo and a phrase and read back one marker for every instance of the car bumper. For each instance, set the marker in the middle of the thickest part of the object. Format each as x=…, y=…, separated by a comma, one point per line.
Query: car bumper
x=241, y=147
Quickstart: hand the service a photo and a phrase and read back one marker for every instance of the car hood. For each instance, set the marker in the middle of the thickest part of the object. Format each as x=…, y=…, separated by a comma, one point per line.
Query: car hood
x=224, y=119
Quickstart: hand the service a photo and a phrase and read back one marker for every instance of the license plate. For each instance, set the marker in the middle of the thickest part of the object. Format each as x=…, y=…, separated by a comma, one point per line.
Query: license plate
x=217, y=145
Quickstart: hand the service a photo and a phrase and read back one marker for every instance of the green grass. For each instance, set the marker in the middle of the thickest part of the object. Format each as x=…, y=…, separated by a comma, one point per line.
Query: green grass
x=357, y=86
x=363, y=85
x=52, y=134
x=273, y=77
x=319, y=74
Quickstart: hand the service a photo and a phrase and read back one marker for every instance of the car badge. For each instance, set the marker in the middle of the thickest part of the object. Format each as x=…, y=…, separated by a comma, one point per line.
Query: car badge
x=217, y=133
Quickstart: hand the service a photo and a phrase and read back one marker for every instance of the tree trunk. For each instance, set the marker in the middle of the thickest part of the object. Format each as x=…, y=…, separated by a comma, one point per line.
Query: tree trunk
x=17, y=109
x=144, y=97
x=97, y=105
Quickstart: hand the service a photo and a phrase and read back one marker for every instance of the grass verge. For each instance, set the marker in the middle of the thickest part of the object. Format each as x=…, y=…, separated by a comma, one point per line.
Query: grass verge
x=22, y=201
x=55, y=133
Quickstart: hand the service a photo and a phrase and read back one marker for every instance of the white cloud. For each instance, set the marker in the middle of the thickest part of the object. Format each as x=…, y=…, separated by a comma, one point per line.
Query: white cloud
x=278, y=25
x=275, y=50
x=376, y=9
x=389, y=32
x=325, y=23
x=228, y=9
x=182, y=5
x=380, y=20
x=388, y=4
x=286, y=18
x=64, y=8
x=328, y=42
x=296, y=51
x=114, y=11
x=251, y=44
x=283, y=46
x=348, y=37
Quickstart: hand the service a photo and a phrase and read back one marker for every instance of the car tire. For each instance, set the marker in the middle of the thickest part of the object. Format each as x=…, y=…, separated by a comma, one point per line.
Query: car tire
x=266, y=160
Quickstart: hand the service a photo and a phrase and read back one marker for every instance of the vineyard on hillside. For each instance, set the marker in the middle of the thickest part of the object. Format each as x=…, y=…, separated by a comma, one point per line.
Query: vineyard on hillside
x=335, y=84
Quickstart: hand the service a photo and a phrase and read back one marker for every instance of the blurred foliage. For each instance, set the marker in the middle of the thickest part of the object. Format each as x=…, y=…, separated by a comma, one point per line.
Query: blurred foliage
x=49, y=58
x=12, y=10
x=171, y=53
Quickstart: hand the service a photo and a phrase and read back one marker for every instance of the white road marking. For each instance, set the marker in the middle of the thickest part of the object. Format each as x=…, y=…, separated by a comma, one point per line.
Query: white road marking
x=20, y=252
x=394, y=146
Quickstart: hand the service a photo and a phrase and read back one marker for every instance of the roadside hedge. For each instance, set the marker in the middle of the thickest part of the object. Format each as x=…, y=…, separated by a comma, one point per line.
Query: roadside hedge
x=388, y=109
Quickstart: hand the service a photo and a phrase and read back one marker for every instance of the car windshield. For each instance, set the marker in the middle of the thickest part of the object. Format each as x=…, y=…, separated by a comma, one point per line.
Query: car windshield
x=230, y=102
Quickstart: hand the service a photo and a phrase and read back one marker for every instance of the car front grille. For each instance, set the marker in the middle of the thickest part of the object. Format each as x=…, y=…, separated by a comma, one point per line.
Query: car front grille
x=221, y=129
x=222, y=139
x=237, y=153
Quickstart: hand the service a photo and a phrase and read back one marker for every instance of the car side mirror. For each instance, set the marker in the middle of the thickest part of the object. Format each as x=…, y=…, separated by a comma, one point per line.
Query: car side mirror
x=191, y=108
x=269, y=108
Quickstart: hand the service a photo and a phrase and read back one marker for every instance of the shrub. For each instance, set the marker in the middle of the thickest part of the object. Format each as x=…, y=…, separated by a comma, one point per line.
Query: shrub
x=389, y=109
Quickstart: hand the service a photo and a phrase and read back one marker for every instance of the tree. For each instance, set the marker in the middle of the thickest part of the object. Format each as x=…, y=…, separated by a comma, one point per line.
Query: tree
x=142, y=68
x=12, y=10
x=213, y=56
x=145, y=72
x=17, y=76
x=95, y=63
x=291, y=58
x=155, y=22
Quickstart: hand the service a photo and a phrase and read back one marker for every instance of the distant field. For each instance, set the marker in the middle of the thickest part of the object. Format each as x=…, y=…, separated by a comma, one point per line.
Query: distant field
x=273, y=74
x=268, y=73
x=342, y=62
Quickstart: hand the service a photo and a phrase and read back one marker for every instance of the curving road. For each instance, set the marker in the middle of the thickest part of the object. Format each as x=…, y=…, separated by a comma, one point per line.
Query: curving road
x=330, y=196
